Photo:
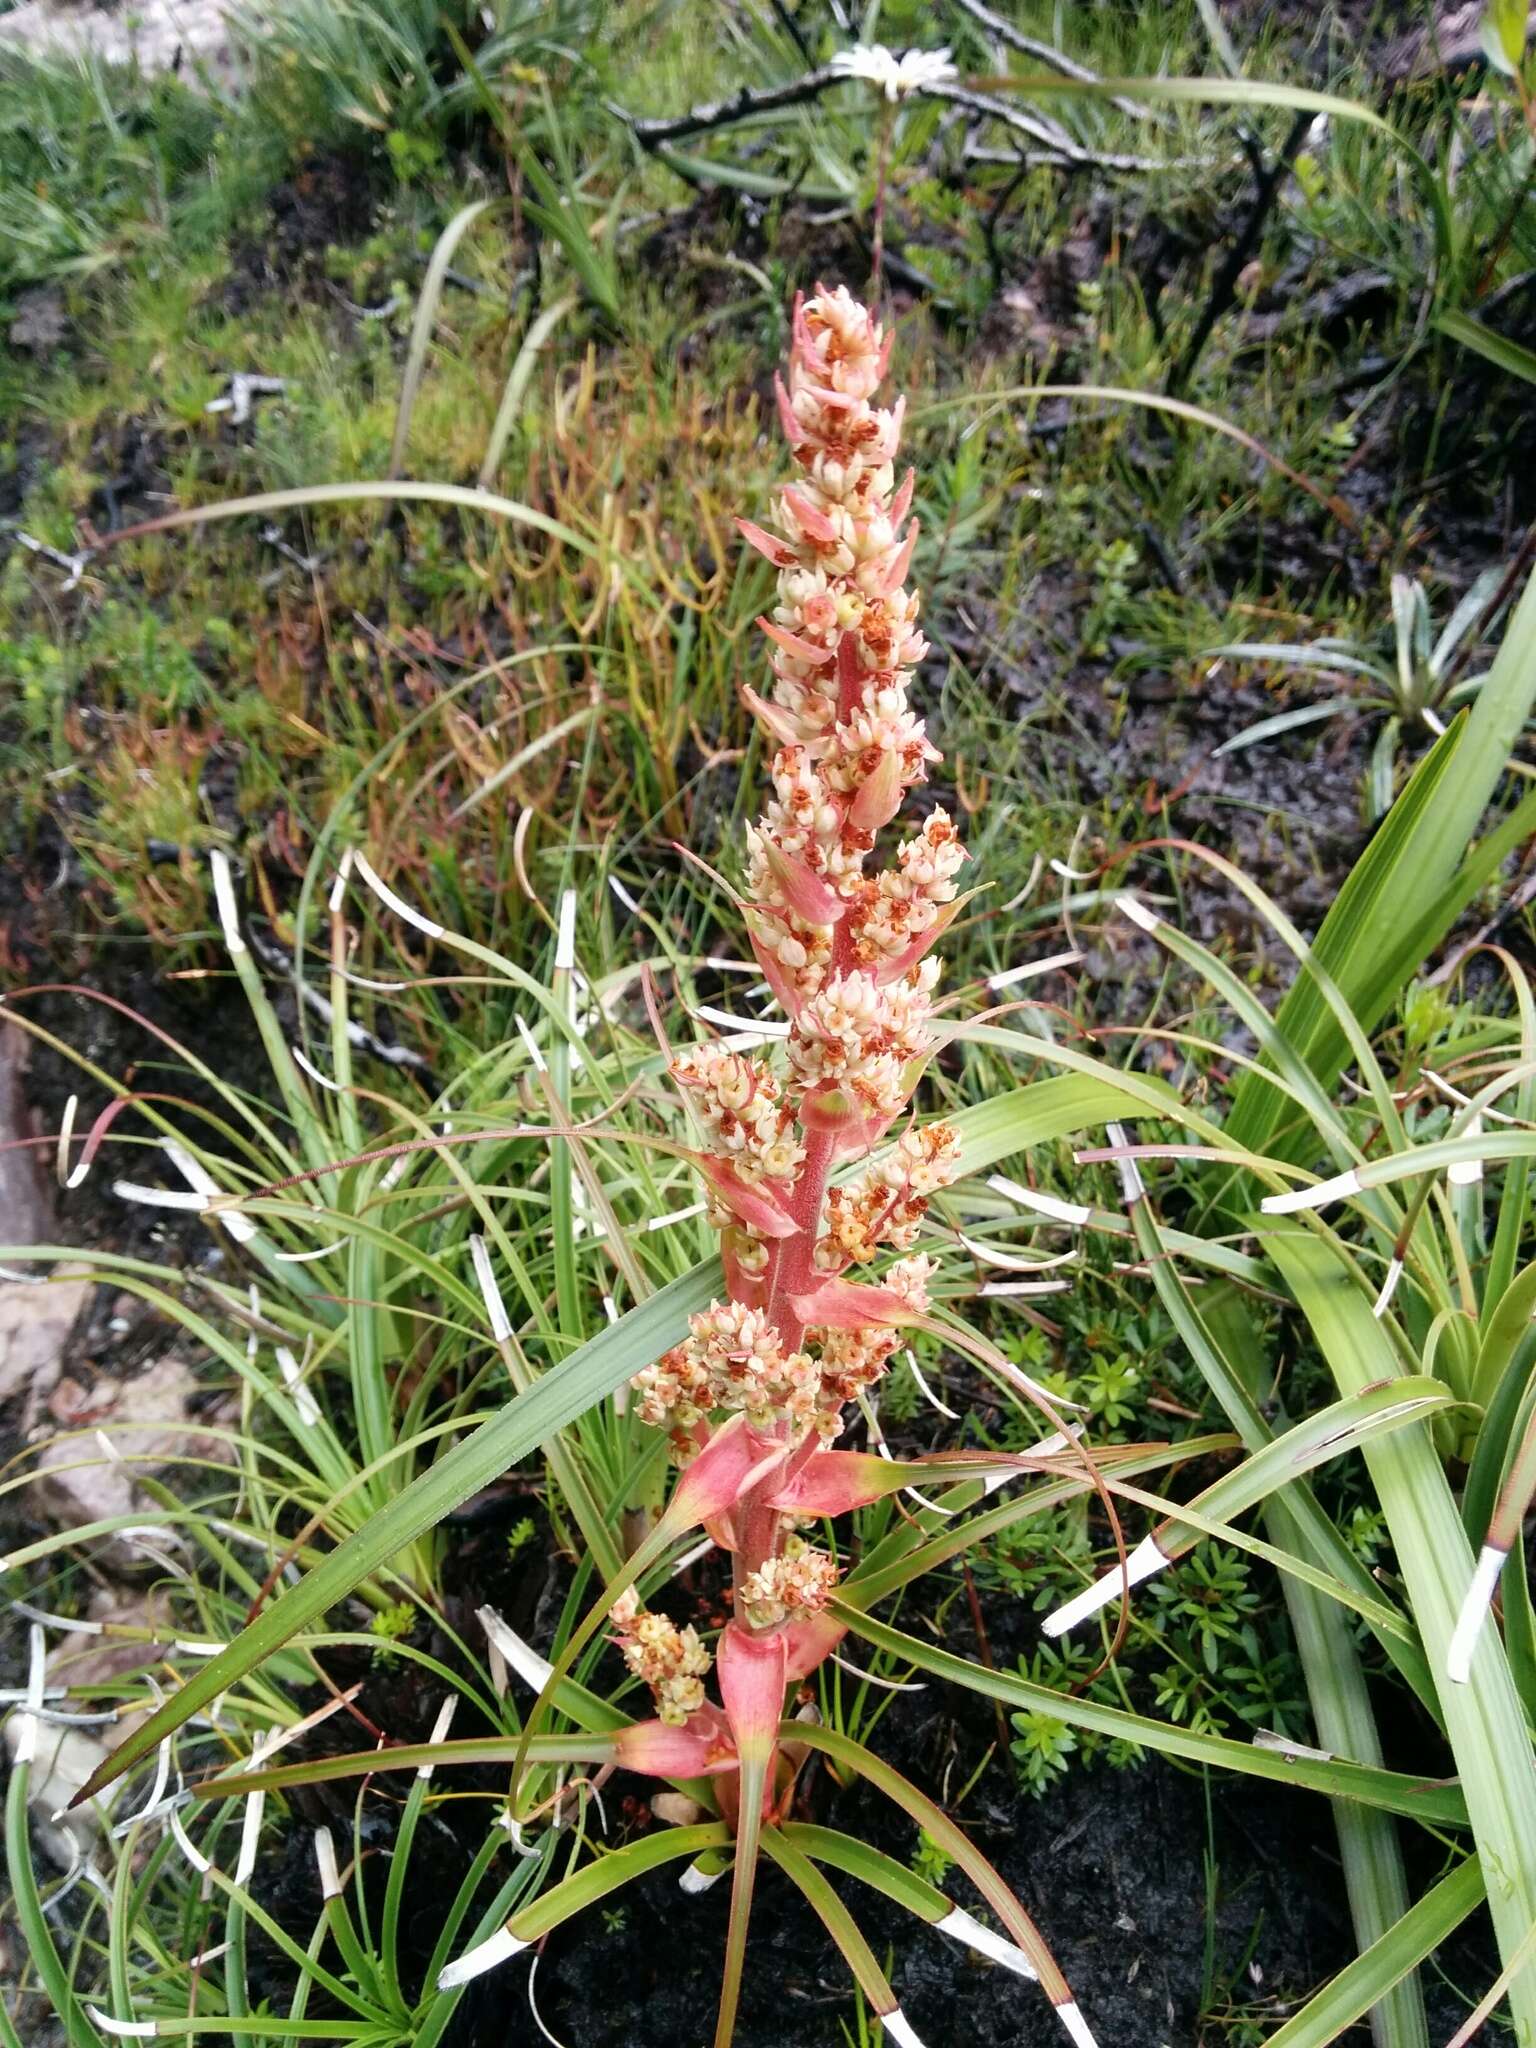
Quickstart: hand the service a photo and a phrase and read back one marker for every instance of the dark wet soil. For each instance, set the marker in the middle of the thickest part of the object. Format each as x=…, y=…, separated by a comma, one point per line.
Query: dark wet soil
x=325, y=202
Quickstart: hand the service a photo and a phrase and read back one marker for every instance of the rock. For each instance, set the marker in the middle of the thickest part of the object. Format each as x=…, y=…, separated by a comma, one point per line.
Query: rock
x=61, y=1763
x=35, y=1322
x=84, y=1477
x=26, y=1189
x=35, y=1316
x=64, y=1756
x=187, y=36
x=41, y=322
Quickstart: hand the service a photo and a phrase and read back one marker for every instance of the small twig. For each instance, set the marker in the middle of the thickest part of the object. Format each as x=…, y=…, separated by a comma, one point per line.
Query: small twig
x=1268, y=180
x=75, y=564
x=741, y=106
x=1049, y=134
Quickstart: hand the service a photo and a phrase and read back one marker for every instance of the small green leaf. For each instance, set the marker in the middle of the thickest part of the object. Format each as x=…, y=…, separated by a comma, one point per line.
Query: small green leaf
x=1502, y=34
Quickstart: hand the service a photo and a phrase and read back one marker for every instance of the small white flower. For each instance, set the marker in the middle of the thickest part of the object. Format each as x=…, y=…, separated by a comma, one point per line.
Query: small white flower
x=895, y=76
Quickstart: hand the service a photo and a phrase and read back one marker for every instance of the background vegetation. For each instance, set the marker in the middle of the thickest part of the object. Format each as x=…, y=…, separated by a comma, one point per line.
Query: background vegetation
x=1222, y=423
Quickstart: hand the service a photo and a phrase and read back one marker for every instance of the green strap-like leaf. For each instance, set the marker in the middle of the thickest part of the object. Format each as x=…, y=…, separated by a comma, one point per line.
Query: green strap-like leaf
x=1026, y=1116
x=1365, y=1981
x=1484, y=1720
x=1393, y=1791
x=588, y=1375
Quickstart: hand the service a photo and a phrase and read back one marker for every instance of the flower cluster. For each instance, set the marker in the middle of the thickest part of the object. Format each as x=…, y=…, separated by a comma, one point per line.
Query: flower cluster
x=733, y=1358
x=753, y=1398
x=862, y=1042
x=798, y=1581
x=671, y=1661
x=741, y=1111
x=885, y=1205
x=845, y=638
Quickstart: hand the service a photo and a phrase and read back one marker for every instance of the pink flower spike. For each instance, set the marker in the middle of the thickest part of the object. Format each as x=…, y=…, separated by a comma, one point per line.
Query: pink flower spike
x=751, y=1205
x=808, y=1642
x=734, y=1460
x=836, y=1482
x=753, y=1672
x=845, y=1305
x=895, y=576
x=802, y=650
x=901, y=504
x=779, y=552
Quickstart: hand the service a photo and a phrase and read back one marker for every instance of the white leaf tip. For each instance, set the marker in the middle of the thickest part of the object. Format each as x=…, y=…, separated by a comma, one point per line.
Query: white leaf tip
x=500, y=1948
x=1078, y=2029
x=997, y=1948
x=123, y=2030
x=535, y=1671
x=1473, y=1614
x=900, y=2028
x=1144, y=1562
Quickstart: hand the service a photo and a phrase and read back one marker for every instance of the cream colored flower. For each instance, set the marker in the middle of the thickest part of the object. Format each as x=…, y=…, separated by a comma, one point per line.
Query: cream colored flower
x=895, y=76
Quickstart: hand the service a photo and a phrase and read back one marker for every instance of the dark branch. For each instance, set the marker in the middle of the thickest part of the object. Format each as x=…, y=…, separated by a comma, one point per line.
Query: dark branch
x=741, y=106
x=1268, y=181
x=1048, y=134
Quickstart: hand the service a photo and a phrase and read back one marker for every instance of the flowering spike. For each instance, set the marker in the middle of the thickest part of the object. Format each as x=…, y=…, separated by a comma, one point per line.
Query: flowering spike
x=755, y=1394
